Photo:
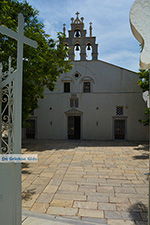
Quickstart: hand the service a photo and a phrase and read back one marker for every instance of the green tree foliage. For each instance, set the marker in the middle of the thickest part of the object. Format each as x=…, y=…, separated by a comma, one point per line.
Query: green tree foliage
x=146, y=121
x=144, y=84
x=41, y=66
x=144, y=80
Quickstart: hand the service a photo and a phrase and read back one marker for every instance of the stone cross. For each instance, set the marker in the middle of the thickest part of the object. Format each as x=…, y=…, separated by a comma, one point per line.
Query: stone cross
x=140, y=26
x=77, y=13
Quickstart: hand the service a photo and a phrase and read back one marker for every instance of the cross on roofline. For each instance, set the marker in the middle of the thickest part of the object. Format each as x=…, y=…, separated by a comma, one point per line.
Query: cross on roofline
x=77, y=13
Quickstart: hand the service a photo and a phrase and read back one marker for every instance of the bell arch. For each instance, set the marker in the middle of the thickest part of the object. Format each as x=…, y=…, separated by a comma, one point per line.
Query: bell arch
x=77, y=52
x=89, y=51
x=77, y=33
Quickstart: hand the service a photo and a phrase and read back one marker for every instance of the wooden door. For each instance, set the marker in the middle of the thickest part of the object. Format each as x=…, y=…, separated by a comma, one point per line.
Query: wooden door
x=119, y=129
x=74, y=127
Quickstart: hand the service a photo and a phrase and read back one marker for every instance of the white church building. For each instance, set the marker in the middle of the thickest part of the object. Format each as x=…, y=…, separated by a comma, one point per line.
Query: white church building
x=94, y=101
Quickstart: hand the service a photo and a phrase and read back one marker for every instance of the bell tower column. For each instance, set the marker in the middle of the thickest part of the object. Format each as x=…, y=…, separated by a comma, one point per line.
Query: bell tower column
x=83, y=52
x=95, y=52
x=71, y=53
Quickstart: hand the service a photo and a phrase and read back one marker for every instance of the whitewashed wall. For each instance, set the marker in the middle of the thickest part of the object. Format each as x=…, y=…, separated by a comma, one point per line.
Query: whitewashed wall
x=112, y=86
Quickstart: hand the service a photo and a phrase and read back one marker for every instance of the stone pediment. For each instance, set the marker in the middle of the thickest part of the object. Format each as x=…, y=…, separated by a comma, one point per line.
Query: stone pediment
x=73, y=112
x=67, y=78
x=87, y=78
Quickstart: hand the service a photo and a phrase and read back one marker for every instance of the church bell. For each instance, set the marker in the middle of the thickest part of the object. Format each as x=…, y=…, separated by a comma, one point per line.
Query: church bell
x=77, y=33
x=77, y=48
x=88, y=47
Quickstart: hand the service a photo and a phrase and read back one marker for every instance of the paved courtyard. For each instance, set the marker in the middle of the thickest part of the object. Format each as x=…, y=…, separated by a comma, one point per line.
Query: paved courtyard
x=101, y=182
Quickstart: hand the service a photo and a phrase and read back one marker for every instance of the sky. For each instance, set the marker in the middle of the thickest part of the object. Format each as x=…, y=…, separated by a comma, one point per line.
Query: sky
x=111, y=26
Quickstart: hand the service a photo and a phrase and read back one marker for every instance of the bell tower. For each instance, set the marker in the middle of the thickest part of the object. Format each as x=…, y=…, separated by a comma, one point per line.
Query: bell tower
x=79, y=42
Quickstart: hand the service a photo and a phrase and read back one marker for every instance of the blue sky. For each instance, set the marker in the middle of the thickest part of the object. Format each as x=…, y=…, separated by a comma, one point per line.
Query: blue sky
x=111, y=26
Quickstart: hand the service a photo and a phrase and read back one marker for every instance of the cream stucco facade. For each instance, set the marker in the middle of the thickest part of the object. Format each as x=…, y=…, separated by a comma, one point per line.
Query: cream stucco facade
x=94, y=101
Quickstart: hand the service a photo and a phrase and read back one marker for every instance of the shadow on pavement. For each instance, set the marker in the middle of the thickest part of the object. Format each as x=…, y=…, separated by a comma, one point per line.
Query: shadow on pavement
x=27, y=195
x=144, y=148
x=143, y=156
x=25, y=167
x=139, y=212
x=47, y=145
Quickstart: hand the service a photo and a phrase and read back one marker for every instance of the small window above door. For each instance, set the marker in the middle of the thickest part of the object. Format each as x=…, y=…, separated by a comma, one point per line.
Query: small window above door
x=66, y=87
x=119, y=110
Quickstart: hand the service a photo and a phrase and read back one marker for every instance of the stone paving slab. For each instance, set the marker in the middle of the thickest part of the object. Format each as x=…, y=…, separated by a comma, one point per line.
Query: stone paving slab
x=103, y=181
x=30, y=218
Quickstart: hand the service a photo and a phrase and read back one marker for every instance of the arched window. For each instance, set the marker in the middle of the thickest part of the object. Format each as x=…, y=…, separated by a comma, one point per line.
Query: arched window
x=88, y=52
x=77, y=33
x=87, y=84
x=77, y=51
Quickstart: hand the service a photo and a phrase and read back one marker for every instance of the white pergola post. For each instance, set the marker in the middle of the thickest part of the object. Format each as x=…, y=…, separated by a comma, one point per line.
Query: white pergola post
x=10, y=123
